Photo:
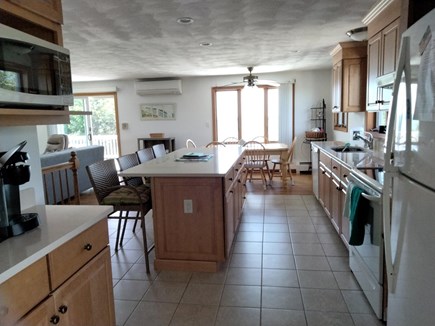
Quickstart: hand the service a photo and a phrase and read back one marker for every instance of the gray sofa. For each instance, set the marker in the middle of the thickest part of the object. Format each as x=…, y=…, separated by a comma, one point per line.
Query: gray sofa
x=86, y=155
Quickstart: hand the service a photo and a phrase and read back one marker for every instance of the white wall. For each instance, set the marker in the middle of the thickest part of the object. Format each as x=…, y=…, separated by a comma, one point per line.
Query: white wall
x=194, y=115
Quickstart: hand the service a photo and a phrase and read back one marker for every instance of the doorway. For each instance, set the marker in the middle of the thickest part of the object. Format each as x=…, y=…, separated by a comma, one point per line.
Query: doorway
x=99, y=124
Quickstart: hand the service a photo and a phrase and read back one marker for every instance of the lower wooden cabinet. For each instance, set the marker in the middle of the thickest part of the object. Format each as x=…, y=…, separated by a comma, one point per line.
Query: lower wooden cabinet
x=46, y=293
x=333, y=182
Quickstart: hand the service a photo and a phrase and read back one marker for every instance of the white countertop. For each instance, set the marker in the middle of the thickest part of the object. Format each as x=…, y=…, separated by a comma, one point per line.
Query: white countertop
x=57, y=225
x=217, y=166
x=358, y=160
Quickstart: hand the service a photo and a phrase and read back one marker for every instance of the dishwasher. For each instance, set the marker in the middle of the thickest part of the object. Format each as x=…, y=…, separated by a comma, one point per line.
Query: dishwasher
x=367, y=260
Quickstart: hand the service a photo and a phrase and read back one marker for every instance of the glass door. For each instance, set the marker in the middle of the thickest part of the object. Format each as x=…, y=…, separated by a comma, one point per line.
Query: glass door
x=99, y=127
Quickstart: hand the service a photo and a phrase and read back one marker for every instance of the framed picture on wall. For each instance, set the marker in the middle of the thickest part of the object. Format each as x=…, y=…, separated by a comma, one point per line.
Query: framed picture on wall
x=157, y=111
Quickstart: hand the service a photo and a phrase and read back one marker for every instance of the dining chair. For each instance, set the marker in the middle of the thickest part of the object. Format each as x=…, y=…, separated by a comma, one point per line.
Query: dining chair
x=230, y=140
x=284, y=163
x=190, y=143
x=159, y=150
x=124, y=198
x=255, y=160
x=260, y=139
x=145, y=154
x=215, y=144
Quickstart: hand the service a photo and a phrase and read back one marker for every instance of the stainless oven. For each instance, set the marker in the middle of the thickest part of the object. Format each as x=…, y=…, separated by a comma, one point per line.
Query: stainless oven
x=367, y=260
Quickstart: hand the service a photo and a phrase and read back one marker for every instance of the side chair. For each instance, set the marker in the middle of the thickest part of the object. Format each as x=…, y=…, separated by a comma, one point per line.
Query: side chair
x=284, y=163
x=159, y=150
x=145, y=154
x=124, y=198
x=256, y=160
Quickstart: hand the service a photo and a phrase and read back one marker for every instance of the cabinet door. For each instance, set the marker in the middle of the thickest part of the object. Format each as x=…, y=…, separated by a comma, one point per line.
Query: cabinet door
x=87, y=297
x=373, y=71
x=43, y=315
x=354, y=85
x=337, y=73
x=390, y=47
x=335, y=189
x=229, y=221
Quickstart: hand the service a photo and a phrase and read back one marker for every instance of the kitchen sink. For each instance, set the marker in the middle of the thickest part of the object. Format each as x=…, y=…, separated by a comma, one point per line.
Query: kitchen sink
x=347, y=149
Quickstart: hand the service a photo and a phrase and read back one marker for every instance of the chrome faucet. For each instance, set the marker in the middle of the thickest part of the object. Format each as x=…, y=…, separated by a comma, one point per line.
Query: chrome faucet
x=368, y=140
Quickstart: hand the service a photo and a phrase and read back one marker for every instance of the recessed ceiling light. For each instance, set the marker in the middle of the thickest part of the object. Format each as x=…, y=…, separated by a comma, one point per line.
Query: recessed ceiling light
x=206, y=44
x=185, y=20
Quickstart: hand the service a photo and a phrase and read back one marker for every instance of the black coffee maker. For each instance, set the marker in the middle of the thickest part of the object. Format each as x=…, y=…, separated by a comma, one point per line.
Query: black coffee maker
x=14, y=173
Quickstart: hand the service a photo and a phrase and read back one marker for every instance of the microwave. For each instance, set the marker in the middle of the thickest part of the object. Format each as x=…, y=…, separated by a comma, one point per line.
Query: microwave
x=34, y=73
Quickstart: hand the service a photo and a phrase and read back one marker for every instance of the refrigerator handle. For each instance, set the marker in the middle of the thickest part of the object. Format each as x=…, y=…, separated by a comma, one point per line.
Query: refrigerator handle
x=390, y=169
x=389, y=151
x=386, y=212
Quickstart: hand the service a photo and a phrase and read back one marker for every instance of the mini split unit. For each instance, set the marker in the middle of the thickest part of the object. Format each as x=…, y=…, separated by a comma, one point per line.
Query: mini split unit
x=158, y=87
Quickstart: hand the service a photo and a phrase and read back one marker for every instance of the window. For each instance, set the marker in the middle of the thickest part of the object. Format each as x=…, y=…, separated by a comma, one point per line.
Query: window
x=245, y=113
x=98, y=128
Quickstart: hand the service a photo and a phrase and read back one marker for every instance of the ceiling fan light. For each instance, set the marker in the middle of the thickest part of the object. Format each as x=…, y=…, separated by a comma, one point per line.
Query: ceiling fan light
x=358, y=34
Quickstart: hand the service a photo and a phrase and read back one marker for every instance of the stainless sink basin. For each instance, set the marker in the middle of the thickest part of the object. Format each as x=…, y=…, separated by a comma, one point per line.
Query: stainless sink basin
x=347, y=149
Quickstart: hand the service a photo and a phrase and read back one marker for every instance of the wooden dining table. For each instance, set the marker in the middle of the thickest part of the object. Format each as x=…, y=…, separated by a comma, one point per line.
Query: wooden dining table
x=276, y=149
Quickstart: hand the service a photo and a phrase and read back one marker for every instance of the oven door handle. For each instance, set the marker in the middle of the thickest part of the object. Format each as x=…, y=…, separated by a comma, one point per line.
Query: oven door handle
x=376, y=199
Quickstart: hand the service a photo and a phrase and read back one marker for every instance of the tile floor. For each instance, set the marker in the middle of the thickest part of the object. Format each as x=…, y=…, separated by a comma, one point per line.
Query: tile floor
x=287, y=267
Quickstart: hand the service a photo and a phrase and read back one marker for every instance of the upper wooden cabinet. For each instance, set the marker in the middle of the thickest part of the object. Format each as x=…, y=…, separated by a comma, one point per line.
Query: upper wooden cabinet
x=42, y=18
x=349, y=76
x=383, y=52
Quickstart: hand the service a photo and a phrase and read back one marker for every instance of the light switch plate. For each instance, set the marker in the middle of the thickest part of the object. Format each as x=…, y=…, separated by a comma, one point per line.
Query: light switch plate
x=188, y=206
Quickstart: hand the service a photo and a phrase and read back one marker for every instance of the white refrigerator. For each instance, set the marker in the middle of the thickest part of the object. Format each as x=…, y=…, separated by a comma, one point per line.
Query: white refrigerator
x=409, y=213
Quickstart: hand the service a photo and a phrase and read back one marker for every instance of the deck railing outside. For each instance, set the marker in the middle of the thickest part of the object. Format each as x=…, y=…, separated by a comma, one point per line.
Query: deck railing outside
x=110, y=143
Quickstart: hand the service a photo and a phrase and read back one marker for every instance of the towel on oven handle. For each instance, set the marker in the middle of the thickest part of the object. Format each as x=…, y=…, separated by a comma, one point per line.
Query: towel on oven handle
x=357, y=209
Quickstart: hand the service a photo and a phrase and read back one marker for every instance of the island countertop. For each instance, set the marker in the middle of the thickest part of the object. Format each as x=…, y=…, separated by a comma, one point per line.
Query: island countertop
x=218, y=165
x=57, y=225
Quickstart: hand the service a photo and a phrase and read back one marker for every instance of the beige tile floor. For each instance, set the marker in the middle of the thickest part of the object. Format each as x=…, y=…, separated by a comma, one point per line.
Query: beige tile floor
x=287, y=267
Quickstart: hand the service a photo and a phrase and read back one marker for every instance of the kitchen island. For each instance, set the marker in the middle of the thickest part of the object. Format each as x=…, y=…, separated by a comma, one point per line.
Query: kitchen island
x=197, y=205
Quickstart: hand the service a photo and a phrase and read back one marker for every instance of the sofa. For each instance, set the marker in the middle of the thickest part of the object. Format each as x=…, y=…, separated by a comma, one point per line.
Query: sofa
x=86, y=155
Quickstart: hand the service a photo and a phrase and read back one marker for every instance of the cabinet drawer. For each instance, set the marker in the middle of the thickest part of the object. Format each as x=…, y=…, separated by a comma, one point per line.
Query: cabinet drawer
x=326, y=160
x=23, y=291
x=70, y=257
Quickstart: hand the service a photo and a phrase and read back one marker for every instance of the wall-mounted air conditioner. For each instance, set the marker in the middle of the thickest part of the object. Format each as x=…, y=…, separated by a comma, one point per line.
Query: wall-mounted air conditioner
x=158, y=87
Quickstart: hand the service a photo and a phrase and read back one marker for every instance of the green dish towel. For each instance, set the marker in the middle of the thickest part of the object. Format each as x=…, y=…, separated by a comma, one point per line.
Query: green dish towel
x=359, y=214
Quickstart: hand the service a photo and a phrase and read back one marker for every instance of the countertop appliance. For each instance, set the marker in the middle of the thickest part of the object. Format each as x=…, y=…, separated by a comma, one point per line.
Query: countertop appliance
x=14, y=173
x=409, y=220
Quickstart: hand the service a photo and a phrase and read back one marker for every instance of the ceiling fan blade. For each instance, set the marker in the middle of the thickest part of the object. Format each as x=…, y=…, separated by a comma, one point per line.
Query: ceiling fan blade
x=267, y=82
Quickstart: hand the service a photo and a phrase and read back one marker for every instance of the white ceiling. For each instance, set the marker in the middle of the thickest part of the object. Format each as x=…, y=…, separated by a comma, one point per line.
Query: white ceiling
x=128, y=39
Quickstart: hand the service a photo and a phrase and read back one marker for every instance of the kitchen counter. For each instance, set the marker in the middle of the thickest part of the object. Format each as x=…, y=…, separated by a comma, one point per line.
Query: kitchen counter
x=57, y=225
x=167, y=166
x=365, y=160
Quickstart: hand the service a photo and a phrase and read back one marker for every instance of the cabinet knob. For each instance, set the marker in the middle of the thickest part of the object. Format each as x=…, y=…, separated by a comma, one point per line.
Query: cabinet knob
x=63, y=309
x=88, y=247
x=334, y=167
x=55, y=319
x=231, y=179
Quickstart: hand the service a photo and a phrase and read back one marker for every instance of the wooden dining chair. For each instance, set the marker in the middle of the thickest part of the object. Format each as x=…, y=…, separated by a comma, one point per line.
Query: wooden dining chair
x=230, y=140
x=215, y=144
x=159, y=150
x=284, y=163
x=145, y=154
x=190, y=143
x=256, y=160
x=124, y=198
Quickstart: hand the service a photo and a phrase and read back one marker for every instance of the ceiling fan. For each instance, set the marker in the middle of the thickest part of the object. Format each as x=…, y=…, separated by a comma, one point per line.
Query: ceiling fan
x=252, y=80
